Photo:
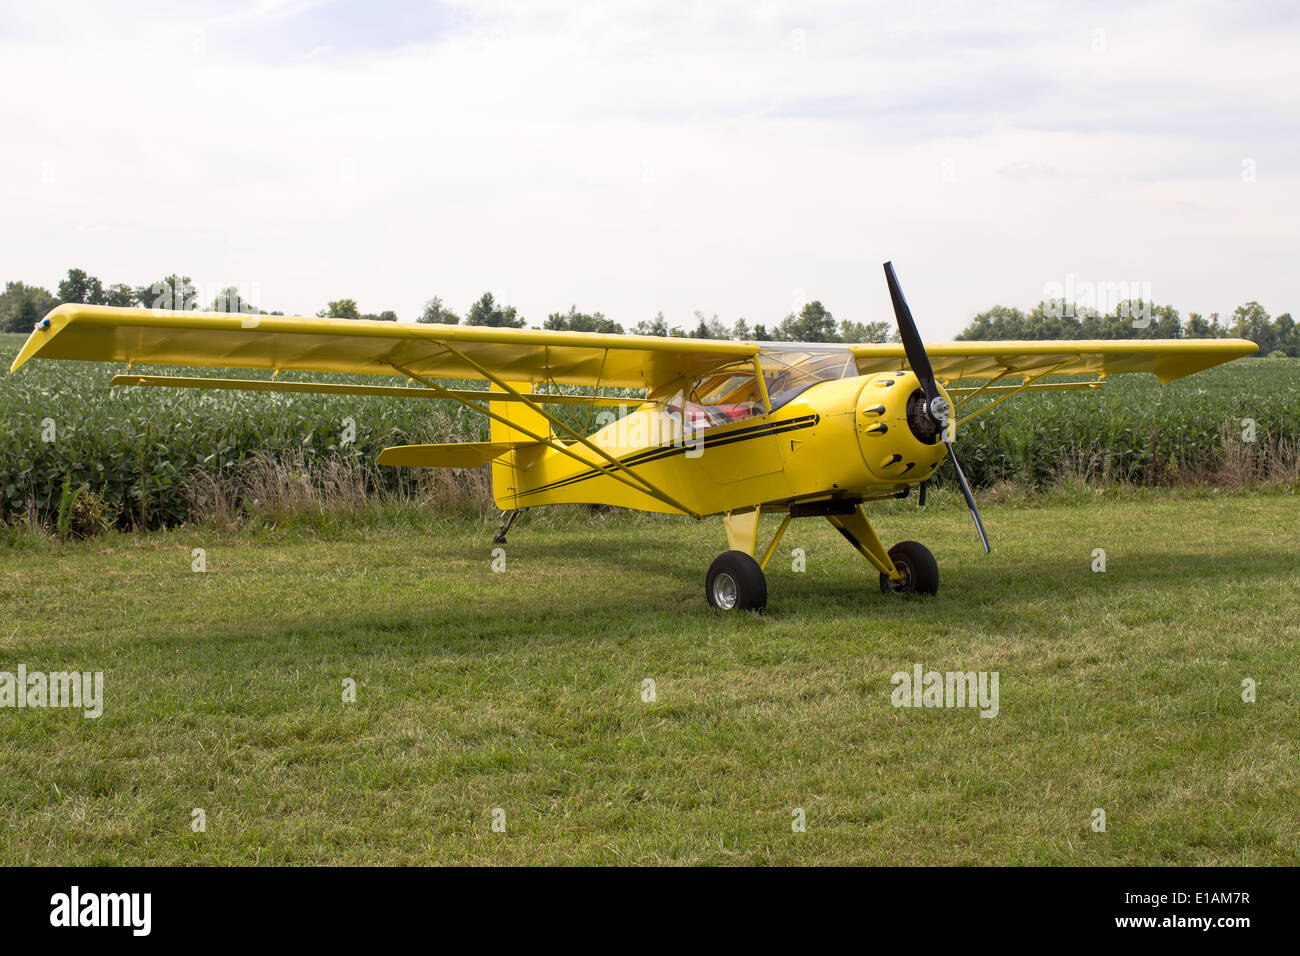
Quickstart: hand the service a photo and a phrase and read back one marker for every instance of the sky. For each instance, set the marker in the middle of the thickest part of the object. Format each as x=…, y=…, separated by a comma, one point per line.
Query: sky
x=737, y=159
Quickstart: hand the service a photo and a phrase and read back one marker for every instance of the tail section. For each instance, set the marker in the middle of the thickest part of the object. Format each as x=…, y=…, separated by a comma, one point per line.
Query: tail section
x=525, y=451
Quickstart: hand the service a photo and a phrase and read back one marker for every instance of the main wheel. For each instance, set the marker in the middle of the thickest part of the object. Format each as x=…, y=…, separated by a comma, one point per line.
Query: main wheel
x=920, y=572
x=736, y=583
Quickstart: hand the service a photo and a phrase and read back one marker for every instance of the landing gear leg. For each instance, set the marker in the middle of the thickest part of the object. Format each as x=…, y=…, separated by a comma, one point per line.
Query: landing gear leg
x=736, y=581
x=907, y=568
x=510, y=517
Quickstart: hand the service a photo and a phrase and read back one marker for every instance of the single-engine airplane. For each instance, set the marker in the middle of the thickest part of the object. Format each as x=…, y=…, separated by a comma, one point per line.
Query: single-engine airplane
x=736, y=429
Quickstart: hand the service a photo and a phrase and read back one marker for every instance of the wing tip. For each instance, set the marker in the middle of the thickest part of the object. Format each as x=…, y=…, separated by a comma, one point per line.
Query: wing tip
x=40, y=335
x=49, y=326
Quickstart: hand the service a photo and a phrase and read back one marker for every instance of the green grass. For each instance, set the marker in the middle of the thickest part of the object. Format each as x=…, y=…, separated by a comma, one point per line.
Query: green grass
x=521, y=690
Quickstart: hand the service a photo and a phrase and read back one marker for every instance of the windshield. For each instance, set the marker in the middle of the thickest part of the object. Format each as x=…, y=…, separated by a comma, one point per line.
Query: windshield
x=788, y=372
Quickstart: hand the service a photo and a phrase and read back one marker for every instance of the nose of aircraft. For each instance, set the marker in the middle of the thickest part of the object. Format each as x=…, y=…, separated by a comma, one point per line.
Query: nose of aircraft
x=898, y=439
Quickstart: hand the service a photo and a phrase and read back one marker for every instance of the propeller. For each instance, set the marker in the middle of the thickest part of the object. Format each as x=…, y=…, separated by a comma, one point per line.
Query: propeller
x=936, y=406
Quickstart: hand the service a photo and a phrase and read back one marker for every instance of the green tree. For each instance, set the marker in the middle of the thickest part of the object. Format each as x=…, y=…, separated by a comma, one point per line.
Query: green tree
x=229, y=300
x=999, y=322
x=83, y=288
x=26, y=314
x=486, y=312
x=172, y=292
x=341, y=309
x=1251, y=321
x=22, y=306
x=712, y=328
x=656, y=326
x=814, y=323
x=864, y=331
x=1199, y=327
x=120, y=295
x=1051, y=319
x=1137, y=319
x=1285, y=334
x=435, y=312
x=575, y=321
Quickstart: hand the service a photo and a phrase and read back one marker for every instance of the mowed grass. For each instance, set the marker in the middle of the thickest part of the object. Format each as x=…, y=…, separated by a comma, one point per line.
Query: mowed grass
x=522, y=691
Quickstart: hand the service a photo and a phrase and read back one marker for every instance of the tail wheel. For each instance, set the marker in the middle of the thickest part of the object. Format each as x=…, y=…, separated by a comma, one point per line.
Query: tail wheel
x=736, y=583
x=919, y=570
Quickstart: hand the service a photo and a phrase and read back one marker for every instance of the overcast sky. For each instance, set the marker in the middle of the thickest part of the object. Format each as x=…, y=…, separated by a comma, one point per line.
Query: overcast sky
x=734, y=158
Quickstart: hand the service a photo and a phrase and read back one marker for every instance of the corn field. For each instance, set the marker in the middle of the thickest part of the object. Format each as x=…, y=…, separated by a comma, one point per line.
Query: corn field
x=150, y=457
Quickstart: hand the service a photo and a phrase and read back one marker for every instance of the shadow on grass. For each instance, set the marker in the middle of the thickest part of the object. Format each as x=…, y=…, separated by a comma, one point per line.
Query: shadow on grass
x=664, y=595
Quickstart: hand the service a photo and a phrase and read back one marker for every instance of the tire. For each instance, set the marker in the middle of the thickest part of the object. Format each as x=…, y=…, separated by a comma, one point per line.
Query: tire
x=919, y=569
x=735, y=583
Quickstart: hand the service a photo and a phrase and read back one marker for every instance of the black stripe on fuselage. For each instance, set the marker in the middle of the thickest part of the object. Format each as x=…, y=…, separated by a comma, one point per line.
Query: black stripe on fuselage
x=668, y=451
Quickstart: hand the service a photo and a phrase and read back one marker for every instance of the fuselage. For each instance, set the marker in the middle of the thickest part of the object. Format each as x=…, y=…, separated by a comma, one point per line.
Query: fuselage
x=846, y=438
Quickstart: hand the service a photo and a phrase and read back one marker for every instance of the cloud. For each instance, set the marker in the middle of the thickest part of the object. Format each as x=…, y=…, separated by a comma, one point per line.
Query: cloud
x=636, y=157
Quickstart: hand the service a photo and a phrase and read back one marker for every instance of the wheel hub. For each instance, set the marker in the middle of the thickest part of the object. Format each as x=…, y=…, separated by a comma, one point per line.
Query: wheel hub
x=724, y=591
x=904, y=584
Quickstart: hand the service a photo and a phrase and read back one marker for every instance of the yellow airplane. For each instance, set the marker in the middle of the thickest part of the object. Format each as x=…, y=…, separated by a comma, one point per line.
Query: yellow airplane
x=737, y=429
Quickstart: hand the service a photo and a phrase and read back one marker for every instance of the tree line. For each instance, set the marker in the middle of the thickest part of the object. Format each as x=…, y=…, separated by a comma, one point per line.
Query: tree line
x=1136, y=319
x=22, y=305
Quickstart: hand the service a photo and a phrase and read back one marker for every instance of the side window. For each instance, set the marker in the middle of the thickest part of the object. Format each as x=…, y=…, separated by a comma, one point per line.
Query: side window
x=720, y=398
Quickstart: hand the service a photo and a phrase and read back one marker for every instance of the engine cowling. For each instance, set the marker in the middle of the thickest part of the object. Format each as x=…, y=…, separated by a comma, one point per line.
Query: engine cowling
x=899, y=440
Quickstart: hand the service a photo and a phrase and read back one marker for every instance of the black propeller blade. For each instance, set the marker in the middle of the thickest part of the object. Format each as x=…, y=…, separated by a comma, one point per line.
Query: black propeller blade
x=970, y=498
x=935, y=405
x=912, y=343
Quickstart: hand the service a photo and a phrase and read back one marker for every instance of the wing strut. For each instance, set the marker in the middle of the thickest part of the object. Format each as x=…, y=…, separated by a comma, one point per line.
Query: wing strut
x=989, y=384
x=1016, y=390
x=649, y=489
x=347, y=388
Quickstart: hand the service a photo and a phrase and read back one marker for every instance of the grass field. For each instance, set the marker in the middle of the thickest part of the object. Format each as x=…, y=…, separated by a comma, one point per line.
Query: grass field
x=522, y=690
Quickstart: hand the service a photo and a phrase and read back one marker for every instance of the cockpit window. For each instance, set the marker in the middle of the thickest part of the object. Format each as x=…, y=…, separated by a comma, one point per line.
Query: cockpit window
x=731, y=393
x=788, y=372
x=725, y=395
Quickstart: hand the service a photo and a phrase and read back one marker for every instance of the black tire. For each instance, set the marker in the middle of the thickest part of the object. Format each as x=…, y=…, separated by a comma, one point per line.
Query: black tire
x=919, y=569
x=735, y=583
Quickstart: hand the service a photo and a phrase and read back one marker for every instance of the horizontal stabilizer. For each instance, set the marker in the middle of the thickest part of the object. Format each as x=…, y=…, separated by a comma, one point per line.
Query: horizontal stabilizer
x=468, y=454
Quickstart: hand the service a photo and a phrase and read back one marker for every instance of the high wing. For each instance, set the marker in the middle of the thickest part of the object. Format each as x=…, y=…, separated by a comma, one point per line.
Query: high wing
x=224, y=340
x=1167, y=359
